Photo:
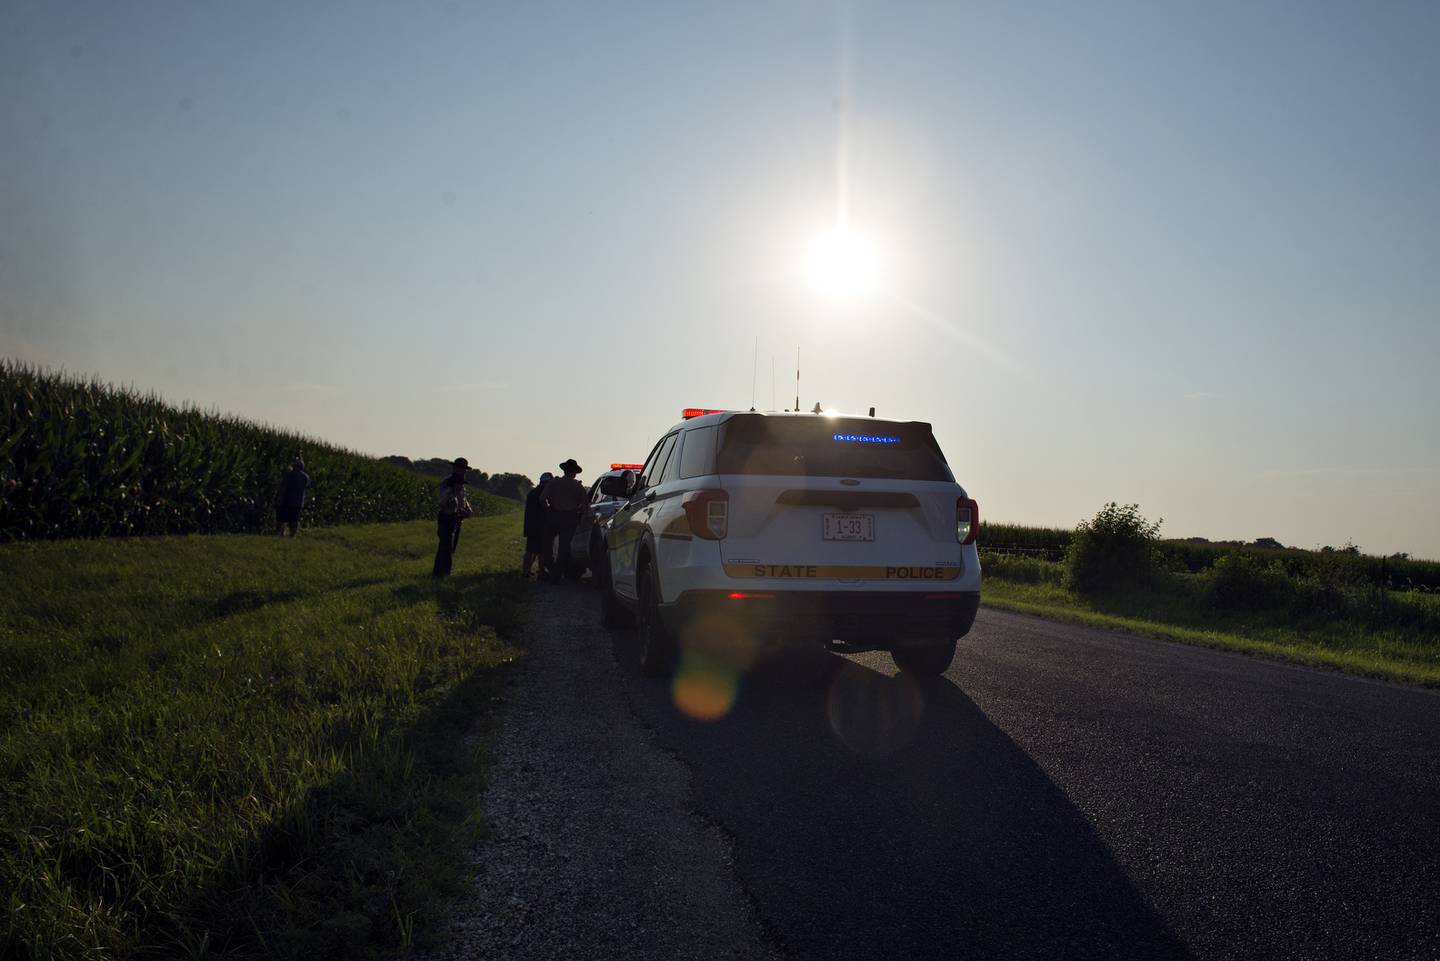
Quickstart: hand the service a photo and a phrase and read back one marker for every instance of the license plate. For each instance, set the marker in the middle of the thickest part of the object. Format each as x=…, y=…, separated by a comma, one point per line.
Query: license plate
x=849, y=527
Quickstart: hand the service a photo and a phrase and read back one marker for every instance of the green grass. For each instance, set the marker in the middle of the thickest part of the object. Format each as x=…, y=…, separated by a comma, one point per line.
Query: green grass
x=244, y=746
x=1400, y=651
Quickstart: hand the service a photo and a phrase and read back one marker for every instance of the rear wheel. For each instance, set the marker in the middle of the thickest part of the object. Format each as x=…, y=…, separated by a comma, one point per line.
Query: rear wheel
x=612, y=613
x=657, y=647
x=596, y=549
x=924, y=658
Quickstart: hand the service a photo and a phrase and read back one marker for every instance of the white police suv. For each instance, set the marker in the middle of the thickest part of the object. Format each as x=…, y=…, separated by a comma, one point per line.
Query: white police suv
x=774, y=529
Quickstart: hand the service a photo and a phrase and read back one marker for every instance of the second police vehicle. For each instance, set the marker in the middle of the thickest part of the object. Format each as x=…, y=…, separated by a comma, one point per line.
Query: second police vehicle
x=849, y=532
x=599, y=507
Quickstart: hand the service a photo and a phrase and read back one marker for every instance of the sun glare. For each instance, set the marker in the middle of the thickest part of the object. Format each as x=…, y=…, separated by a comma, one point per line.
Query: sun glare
x=843, y=264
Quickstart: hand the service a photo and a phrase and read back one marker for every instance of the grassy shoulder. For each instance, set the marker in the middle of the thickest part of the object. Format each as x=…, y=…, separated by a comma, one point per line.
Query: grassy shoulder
x=244, y=746
x=1406, y=651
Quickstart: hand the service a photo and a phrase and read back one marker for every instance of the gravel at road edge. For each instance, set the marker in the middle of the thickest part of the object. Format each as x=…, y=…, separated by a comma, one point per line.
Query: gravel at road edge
x=593, y=849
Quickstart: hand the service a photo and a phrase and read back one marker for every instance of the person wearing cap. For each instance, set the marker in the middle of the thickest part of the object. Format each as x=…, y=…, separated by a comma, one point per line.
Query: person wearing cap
x=454, y=508
x=535, y=529
x=563, y=496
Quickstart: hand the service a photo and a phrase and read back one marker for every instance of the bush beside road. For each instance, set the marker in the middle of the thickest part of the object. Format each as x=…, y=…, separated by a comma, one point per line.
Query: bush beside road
x=1327, y=612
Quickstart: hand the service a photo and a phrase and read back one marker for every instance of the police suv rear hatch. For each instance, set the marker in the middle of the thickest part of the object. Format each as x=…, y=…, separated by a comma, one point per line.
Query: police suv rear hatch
x=840, y=500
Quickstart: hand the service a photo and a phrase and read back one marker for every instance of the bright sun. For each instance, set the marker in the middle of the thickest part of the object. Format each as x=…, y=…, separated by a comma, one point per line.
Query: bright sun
x=843, y=264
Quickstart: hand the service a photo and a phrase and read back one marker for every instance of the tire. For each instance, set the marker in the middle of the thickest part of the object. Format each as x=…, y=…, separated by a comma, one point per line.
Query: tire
x=612, y=613
x=594, y=559
x=924, y=658
x=657, y=647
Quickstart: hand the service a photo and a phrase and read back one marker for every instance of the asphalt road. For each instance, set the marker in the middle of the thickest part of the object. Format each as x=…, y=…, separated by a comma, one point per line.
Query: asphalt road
x=1070, y=793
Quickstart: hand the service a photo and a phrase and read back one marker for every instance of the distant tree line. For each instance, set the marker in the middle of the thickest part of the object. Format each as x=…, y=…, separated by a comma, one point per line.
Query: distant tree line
x=1117, y=529
x=513, y=486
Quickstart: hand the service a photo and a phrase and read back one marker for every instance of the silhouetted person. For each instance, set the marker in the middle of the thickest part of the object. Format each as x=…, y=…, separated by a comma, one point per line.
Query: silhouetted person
x=454, y=508
x=535, y=529
x=564, y=496
x=291, y=499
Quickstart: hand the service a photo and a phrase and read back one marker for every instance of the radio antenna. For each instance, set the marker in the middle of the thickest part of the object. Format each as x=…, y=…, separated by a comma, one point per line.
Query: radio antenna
x=754, y=371
x=797, y=380
x=772, y=382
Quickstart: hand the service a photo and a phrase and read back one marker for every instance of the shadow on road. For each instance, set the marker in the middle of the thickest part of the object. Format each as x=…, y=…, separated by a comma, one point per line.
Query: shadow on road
x=875, y=817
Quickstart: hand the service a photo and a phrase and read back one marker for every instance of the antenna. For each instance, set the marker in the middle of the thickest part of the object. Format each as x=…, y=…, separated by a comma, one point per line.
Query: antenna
x=772, y=382
x=797, y=380
x=754, y=371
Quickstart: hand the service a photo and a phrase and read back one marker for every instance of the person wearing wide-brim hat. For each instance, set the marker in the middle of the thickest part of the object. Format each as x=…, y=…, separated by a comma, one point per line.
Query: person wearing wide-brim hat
x=453, y=509
x=564, y=497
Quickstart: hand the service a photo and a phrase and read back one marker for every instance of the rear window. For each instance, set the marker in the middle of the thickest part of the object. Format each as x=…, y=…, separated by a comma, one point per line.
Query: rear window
x=697, y=457
x=830, y=447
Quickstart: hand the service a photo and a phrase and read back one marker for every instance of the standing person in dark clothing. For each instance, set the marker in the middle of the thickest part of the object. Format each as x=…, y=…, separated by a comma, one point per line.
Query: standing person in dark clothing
x=291, y=498
x=454, y=508
x=535, y=529
x=564, y=496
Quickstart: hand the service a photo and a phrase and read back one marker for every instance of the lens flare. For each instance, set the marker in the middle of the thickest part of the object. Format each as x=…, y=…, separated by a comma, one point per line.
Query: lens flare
x=872, y=714
x=715, y=652
x=704, y=690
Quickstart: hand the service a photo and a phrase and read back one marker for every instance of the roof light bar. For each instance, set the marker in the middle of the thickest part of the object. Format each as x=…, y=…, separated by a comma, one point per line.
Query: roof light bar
x=626, y=466
x=690, y=412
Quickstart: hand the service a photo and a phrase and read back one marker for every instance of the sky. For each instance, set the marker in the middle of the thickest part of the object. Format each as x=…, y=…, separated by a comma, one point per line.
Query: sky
x=1180, y=255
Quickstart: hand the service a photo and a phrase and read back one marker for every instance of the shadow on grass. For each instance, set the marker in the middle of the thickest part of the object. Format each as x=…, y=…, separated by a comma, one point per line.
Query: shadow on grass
x=359, y=865
x=470, y=601
x=241, y=602
x=874, y=816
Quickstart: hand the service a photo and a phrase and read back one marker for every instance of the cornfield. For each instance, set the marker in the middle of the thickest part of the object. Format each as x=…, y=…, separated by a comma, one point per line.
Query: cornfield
x=1048, y=543
x=79, y=458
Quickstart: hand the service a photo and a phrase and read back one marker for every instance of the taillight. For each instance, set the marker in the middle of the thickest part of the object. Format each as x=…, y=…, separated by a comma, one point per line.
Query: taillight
x=708, y=513
x=967, y=520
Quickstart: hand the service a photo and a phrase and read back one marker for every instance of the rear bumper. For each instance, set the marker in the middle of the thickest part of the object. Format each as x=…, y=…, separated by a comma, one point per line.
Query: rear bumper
x=871, y=618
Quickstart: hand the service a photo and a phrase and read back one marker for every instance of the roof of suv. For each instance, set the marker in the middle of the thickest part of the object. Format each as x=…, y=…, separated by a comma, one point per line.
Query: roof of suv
x=720, y=416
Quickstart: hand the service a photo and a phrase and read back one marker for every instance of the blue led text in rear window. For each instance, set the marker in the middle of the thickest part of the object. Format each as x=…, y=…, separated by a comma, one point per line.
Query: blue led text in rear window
x=866, y=439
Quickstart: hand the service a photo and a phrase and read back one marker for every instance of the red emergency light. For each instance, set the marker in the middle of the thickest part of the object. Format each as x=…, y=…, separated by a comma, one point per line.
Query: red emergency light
x=626, y=466
x=690, y=412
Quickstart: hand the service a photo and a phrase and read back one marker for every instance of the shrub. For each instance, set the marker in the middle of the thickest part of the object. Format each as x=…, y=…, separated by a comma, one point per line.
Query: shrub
x=1244, y=582
x=1333, y=588
x=1115, y=549
x=1022, y=570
